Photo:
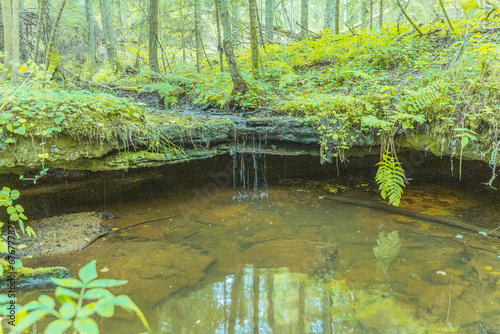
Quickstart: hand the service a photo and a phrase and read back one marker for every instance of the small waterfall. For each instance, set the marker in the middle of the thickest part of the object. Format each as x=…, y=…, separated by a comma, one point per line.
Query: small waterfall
x=243, y=173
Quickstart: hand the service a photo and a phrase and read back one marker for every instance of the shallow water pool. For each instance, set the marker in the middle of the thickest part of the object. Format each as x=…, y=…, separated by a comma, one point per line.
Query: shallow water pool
x=294, y=261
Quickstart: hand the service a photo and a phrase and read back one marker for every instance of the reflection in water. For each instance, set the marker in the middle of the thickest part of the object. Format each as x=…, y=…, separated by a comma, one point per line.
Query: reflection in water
x=252, y=301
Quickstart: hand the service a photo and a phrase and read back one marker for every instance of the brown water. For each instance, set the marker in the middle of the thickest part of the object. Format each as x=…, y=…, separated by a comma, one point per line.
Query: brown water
x=294, y=262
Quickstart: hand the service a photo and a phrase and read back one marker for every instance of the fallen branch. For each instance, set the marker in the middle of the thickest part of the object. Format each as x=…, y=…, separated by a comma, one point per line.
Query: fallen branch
x=418, y=215
x=99, y=236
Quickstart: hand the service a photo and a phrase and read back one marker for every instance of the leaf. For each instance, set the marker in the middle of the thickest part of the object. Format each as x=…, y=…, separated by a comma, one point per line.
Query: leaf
x=105, y=283
x=58, y=326
x=88, y=272
x=11, y=210
x=67, y=282
x=46, y=301
x=19, y=208
x=107, y=311
x=15, y=194
x=67, y=310
x=97, y=294
x=127, y=304
x=66, y=292
x=464, y=141
x=86, y=326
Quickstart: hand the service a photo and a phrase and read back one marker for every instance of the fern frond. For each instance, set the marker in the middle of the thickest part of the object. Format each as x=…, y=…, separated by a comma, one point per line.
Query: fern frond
x=391, y=179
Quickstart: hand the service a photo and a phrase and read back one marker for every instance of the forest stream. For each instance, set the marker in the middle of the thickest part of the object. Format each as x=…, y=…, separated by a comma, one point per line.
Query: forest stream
x=283, y=256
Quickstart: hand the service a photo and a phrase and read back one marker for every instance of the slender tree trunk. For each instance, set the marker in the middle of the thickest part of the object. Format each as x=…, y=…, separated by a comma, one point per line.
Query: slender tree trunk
x=152, y=35
x=89, y=14
x=38, y=29
x=363, y=13
x=240, y=85
x=197, y=20
x=254, y=37
x=15, y=43
x=304, y=16
x=269, y=20
x=109, y=34
x=7, y=37
x=137, y=64
x=219, y=38
x=336, y=13
x=239, y=35
x=408, y=18
x=381, y=13
x=446, y=14
x=371, y=13
x=120, y=19
x=53, y=36
x=328, y=18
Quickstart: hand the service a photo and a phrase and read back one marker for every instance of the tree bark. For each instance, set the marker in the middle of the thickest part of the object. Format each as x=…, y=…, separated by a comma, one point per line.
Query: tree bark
x=89, y=14
x=153, y=35
x=7, y=37
x=38, y=30
x=238, y=36
x=219, y=38
x=254, y=37
x=328, y=18
x=53, y=36
x=15, y=43
x=381, y=13
x=269, y=20
x=109, y=34
x=197, y=35
x=240, y=85
x=336, y=13
x=304, y=17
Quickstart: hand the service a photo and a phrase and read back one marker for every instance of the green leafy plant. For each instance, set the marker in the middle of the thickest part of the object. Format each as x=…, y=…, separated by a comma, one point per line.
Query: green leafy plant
x=16, y=215
x=73, y=313
x=387, y=249
x=465, y=136
x=391, y=178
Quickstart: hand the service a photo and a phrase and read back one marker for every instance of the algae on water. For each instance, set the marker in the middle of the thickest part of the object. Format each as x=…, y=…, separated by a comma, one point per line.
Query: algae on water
x=388, y=245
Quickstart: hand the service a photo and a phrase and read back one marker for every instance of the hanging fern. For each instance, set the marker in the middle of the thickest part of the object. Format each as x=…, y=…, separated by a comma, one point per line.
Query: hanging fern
x=391, y=178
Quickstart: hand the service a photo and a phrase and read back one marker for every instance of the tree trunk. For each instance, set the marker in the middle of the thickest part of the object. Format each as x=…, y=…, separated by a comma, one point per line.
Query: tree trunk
x=446, y=14
x=53, y=36
x=408, y=18
x=336, y=14
x=240, y=85
x=254, y=37
x=197, y=35
x=15, y=43
x=38, y=30
x=304, y=16
x=238, y=36
x=363, y=13
x=269, y=20
x=7, y=37
x=89, y=14
x=153, y=35
x=121, y=29
x=219, y=38
x=109, y=34
x=328, y=18
x=381, y=13
x=371, y=13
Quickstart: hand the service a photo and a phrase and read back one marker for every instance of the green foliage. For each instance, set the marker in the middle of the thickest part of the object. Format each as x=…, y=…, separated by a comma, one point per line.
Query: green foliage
x=166, y=91
x=16, y=214
x=387, y=249
x=73, y=313
x=391, y=179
